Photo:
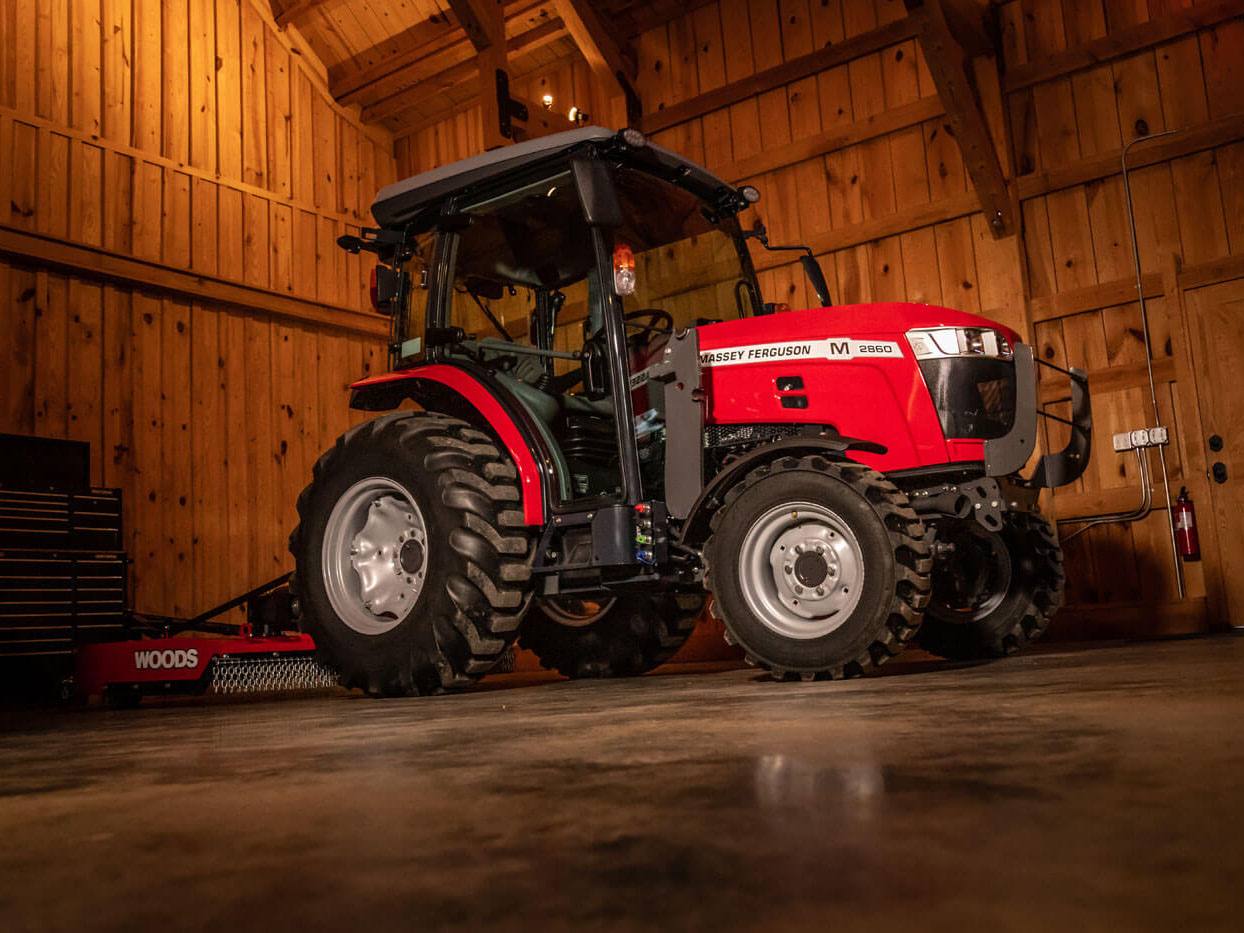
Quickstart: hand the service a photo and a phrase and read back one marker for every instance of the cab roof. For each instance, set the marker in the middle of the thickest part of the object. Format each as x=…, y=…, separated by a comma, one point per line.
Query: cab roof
x=403, y=201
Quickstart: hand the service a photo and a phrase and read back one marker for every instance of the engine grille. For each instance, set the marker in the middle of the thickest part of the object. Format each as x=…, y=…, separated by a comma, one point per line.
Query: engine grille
x=974, y=397
x=728, y=435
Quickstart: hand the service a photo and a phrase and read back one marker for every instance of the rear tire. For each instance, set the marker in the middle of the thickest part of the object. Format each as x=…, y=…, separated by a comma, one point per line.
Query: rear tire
x=620, y=637
x=1021, y=580
x=818, y=568
x=450, y=565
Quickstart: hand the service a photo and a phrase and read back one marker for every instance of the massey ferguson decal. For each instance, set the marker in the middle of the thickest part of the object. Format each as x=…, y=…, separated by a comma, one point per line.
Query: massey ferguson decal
x=833, y=348
x=166, y=660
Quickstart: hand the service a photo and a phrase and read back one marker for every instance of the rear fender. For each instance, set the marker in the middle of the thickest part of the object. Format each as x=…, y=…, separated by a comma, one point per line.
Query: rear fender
x=696, y=530
x=453, y=391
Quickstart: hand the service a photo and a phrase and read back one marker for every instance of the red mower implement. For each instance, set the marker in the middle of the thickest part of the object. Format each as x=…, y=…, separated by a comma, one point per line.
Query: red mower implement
x=613, y=426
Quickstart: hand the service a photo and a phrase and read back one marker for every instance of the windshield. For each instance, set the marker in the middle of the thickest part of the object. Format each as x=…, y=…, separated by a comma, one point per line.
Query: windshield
x=689, y=262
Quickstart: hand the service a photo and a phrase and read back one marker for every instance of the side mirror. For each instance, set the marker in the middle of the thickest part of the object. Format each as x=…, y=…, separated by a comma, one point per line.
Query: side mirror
x=597, y=194
x=812, y=269
x=386, y=283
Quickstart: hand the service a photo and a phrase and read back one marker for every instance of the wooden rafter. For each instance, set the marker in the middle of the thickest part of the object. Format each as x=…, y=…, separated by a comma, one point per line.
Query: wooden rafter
x=482, y=21
x=410, y=120
x=461, y=72
x=609, y=57
x=286, y=12
x=419, y=54
x=644, y=16
x=348, y=78
x=950, y=64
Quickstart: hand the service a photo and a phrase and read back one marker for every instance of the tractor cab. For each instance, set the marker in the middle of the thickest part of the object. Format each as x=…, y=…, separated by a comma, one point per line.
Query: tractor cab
x=556, y=273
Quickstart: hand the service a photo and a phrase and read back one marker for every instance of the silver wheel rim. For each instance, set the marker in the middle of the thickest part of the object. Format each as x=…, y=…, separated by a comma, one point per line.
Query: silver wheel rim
x=801, y=570
x=375, y=555
x=575, y=613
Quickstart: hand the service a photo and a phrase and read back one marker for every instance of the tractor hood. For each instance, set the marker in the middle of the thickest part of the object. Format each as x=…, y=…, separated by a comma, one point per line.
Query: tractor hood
x=850, y=368
x=881, y=319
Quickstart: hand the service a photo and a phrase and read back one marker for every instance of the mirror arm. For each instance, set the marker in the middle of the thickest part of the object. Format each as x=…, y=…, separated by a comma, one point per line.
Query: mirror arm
x=807, y=259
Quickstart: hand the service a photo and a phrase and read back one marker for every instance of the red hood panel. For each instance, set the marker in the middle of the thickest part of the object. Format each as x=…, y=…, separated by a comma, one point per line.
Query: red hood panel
x=889, y=318
x=847, y=367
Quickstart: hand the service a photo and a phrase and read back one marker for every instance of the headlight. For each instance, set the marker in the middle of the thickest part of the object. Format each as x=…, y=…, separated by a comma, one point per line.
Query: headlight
x=934, y=343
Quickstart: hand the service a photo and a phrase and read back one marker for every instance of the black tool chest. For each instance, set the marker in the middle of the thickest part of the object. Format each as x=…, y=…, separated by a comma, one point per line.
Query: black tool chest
x=62, y=564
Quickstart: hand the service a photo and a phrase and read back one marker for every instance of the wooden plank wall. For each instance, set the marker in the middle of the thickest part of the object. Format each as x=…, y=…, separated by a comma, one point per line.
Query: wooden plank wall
x=1071, y=114
x=857, y=160
x=189, y=151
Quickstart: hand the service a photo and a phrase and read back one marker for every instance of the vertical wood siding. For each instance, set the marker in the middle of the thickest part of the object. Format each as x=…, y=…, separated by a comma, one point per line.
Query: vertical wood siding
x=189, y=134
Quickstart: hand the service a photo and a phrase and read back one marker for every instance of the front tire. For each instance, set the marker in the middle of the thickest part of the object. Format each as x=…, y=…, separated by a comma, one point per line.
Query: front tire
x=996, y=592
x=412, y=562
x=818, y=567
x=620, y=636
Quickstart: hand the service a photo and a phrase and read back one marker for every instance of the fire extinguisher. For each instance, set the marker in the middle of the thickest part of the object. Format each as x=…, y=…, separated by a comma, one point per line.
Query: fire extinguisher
x=1185, y=527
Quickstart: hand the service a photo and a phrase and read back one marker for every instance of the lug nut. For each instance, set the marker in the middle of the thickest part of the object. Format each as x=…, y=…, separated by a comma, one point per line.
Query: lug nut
x=798, y=589
x=820, y=591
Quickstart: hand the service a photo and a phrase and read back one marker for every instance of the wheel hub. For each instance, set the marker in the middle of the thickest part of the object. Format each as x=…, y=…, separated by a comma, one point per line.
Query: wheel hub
x=411, y=556
x=811, y=569
x=375, y=555
x=801, y=570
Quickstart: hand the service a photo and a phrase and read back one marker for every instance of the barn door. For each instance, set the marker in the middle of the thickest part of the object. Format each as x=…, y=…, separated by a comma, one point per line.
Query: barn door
x=1216, y=326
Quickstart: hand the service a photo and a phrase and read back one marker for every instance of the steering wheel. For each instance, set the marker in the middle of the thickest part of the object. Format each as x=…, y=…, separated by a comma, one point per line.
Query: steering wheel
x=648, y=321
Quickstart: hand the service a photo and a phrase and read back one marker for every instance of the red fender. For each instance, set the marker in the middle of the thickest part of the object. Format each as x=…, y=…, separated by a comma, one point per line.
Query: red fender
x=475, y=394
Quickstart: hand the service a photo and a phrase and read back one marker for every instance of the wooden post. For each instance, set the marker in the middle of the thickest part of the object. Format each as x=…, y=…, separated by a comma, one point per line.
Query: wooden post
x=484, y=23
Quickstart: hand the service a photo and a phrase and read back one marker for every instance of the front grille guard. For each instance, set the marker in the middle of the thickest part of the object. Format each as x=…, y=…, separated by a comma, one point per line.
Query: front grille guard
x=1006, y=455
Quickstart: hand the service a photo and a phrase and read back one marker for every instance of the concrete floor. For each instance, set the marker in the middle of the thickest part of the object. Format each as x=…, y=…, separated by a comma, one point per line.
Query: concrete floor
x=1070, y=789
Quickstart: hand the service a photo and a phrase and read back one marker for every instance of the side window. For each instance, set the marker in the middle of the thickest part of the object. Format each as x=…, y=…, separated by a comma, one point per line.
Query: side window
x=487, y=309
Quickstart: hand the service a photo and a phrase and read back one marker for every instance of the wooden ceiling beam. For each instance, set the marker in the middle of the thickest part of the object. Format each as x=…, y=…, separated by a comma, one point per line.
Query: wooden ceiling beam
x=950, y=63
x=410, y=121
x=348, y=78
x=462, y=72
x=482, y=21
x=611, y=60
x=287, y=12
x=973, y=24
x=417, y=55
x=644, y=16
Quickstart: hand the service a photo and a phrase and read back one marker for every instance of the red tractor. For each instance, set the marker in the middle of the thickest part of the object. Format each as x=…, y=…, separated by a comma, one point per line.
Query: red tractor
x=610, y=425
